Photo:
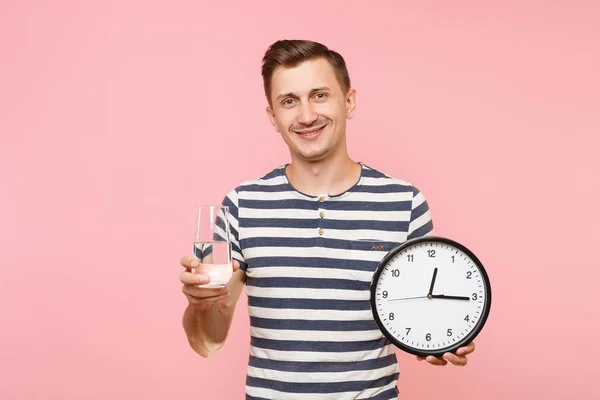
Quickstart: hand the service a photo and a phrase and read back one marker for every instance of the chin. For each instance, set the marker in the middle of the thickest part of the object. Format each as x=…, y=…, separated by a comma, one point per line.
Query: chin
x=314, y=155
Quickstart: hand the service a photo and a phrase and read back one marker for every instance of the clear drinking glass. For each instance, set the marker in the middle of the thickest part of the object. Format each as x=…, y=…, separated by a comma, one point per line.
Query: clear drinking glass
x=212, y=247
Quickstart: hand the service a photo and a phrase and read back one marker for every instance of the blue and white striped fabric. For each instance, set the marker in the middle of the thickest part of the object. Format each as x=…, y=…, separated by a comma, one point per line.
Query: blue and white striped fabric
x=309, y=261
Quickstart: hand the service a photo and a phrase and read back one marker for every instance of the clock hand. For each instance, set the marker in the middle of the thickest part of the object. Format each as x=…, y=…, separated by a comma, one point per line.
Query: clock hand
x=432, y=282
x=443, y=296
x=409, y=298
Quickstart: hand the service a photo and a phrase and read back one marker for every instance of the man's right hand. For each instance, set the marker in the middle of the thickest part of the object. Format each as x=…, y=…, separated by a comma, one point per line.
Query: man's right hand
x=200, y=298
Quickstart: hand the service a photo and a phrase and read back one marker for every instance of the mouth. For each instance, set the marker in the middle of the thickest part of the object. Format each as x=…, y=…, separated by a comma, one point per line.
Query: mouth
x=311, y=134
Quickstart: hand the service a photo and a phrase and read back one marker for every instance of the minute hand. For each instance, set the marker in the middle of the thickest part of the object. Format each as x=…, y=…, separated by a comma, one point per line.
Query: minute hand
x=443, y=296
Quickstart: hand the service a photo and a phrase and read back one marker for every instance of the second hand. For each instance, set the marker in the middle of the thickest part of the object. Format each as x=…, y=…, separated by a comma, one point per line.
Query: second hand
x=409, y=298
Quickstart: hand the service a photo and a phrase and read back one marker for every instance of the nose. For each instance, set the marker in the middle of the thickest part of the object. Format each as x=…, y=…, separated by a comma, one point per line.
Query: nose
x=307, y=115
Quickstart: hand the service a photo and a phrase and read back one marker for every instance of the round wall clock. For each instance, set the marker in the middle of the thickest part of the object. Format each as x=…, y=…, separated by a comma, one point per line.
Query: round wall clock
x=430, y=295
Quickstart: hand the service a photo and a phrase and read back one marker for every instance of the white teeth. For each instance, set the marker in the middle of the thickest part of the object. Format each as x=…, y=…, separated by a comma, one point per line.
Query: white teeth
x=311, y=133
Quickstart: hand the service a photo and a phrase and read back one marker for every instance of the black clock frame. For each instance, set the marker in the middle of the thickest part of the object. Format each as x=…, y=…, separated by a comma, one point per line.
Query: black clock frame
x=463, y=342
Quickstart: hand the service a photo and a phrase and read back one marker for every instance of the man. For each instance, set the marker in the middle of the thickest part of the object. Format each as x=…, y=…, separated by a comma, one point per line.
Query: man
x=306, y=240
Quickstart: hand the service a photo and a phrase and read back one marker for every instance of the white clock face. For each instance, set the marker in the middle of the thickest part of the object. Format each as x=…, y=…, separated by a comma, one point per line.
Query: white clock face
x=431, y=296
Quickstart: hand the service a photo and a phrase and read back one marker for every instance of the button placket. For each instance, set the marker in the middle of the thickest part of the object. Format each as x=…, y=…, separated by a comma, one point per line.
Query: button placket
x=320, y=230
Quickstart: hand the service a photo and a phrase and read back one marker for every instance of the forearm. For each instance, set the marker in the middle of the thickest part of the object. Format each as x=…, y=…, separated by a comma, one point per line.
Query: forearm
x=207, y=328
x=206, y=323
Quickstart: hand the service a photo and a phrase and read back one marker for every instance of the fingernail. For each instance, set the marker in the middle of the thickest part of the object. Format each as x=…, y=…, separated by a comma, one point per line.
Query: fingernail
x=203, y=280
x=194, y=263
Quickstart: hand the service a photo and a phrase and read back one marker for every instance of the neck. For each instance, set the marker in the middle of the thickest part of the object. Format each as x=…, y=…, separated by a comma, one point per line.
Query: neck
x=332, y=176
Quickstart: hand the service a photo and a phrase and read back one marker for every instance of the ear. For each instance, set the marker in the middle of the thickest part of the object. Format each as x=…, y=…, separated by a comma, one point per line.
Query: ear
x=350, y=103
x=272, y=118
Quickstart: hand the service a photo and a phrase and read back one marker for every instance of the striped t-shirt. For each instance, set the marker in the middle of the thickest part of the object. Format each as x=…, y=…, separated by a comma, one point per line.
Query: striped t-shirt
x=309, y=261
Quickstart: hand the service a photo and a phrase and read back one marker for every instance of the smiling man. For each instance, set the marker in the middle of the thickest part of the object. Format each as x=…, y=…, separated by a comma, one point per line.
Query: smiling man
x=306, y=239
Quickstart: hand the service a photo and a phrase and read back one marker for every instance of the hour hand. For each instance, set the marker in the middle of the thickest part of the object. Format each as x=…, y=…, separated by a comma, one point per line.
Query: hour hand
x=443, y=296
x=432, y=282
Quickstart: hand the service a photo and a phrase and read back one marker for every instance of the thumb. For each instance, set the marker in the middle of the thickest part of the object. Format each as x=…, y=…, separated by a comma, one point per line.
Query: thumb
x=236, y=265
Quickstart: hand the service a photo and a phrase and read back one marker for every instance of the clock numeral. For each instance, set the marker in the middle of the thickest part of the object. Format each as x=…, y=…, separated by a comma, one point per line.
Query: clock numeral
x=452, y=258
x=469, y=273
x=385, y=294
x=411, y=258
x=391, y=317
x=467, y=318
x=431, y=253
x=449, y=332
x=474, y=297
x=396, y=272
x=407, y=330
x=428, y=337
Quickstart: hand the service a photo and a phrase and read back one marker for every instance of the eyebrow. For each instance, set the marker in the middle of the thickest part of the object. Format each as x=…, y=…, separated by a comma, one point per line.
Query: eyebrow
x=291, y=94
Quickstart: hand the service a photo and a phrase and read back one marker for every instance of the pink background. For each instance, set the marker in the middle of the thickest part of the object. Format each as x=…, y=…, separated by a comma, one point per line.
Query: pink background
x=116, y=117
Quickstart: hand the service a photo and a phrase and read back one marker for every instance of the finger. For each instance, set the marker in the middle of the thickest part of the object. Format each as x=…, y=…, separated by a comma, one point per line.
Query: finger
x=463, y=351
x=197, y=301
x=436, y=361
x=204, y=293
x=459, y=361
x=236, y=265
x=187, y=278
x=189, y=262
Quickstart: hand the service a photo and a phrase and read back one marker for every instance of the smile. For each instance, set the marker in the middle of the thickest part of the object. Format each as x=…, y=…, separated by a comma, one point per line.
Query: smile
x=312, y=133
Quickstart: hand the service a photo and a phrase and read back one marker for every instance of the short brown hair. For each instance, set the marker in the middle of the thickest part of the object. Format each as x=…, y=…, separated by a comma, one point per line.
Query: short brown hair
x=289, y=53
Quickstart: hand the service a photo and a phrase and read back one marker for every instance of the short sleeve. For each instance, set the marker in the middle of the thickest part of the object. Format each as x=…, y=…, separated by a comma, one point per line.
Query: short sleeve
x=231, y=201
x=421, y=223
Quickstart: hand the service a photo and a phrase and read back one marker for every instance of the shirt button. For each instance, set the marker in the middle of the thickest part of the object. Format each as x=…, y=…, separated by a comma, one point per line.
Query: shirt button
x=321, y=199
x=320, y=231
x=322, y=214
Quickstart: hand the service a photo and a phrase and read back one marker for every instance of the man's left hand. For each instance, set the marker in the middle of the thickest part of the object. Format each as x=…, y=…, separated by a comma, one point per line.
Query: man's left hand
x=459, y=359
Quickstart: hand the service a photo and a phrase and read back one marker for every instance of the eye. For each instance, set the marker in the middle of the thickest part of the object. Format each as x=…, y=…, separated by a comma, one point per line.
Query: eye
x=287, y=102
x=321, y=95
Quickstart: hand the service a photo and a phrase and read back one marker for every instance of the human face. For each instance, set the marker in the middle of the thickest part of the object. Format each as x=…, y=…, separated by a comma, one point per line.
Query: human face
x=309, y=109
